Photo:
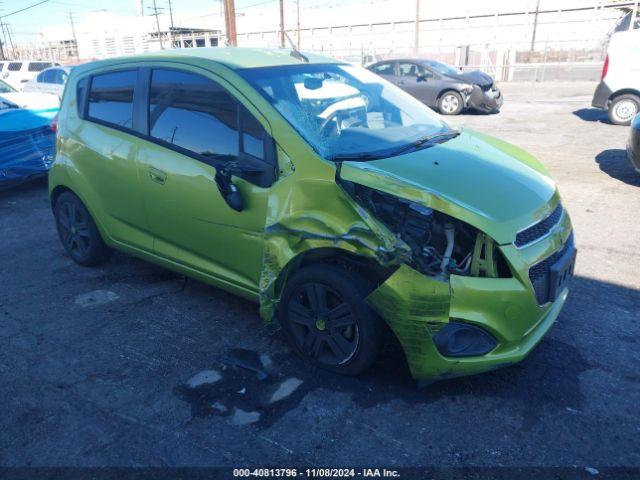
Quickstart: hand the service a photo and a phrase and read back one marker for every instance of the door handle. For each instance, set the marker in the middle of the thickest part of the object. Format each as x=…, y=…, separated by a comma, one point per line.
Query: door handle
x=157, y=175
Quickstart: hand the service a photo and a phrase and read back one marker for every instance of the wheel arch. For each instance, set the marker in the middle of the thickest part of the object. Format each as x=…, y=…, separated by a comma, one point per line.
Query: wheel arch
x=365, y=266
x=56, y=192
x=623, y=91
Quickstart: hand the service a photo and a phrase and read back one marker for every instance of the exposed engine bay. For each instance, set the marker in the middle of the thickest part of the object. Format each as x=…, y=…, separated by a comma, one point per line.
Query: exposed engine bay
x=441, y=245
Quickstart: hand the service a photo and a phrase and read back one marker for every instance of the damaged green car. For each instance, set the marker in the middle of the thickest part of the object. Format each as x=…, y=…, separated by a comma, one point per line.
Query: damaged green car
x=345, y=207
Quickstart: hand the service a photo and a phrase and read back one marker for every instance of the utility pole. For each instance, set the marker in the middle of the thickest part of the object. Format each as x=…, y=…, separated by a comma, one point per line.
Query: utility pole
x=634, y=14
x=230, y=22
x=73, y=32
x=170, y=14
x=535, y=27
x=281, y=23
x=155, y=12
x=416, y=40
x=298, y=24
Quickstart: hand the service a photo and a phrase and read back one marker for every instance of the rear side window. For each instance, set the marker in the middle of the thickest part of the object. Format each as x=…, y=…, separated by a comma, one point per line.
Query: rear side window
x=111, y=98
x=38, y=66
x=59, y=76
x=193, y=112
x=14, y=66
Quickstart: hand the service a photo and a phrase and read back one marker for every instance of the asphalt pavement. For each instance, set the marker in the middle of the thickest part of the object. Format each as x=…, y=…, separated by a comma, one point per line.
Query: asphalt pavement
x=128, y=364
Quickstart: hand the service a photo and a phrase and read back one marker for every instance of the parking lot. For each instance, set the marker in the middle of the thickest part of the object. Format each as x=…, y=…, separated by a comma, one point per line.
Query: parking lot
x=100, y=366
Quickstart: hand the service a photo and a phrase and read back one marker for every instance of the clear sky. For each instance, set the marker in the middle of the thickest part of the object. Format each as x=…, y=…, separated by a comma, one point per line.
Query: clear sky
x=26, y=26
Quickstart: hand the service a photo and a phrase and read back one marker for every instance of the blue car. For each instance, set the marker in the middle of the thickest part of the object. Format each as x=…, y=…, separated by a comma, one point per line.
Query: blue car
x=27, y=142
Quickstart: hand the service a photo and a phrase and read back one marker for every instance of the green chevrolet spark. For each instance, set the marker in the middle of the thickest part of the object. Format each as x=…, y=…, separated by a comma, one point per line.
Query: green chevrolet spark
x=343, y=206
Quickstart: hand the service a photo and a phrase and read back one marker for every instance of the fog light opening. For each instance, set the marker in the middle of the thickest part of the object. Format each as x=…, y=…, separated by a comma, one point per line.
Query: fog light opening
x=458, y=339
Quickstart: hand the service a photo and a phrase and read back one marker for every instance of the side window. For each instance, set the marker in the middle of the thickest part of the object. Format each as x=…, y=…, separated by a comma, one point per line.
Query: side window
x=59, y=76
x=40, y=77
x=384, y=69
x=14, y=66
x=253, y=135
x=410, y=69
x=37, y=66
x=111, y=97
x=48, y=76
x=195, y=113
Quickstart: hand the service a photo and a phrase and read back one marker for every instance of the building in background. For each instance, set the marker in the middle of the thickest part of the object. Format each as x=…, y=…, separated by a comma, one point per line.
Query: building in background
x=510, y=39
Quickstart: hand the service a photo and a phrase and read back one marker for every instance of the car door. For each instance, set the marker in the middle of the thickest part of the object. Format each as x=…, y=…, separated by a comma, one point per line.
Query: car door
x=196, y=125
x=105, y=153
x=418, y=81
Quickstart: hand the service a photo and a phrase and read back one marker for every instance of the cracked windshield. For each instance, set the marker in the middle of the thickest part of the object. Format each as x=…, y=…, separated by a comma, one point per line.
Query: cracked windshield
x=346, y=112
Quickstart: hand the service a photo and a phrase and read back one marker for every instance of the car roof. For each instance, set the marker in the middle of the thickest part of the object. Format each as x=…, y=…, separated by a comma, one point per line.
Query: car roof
x=235, y=58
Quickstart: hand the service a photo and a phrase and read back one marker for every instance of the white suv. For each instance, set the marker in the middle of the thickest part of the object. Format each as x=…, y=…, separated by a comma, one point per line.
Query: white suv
x=18, y=72
x=50, y=80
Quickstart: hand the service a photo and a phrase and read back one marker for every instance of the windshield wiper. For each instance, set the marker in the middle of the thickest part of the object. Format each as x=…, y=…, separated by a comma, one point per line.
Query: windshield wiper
x=424, y=140
x=356, y=157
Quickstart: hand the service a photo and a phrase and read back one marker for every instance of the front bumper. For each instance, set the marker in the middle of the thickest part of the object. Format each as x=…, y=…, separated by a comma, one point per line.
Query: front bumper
x=417, y=307
x=488, y=101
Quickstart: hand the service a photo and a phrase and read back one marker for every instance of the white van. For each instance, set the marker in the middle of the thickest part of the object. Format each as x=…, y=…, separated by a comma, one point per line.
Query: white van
x=619, y=89
x=17, y=72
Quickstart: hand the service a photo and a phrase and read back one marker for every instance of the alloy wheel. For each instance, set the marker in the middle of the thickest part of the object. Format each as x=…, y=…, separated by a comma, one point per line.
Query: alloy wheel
x=450, y=103
x=74, y=229
x=322, y=324
x=625, y=110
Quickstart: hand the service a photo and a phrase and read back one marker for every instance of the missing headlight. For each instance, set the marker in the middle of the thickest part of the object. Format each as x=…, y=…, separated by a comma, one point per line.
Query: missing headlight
x=441, y=244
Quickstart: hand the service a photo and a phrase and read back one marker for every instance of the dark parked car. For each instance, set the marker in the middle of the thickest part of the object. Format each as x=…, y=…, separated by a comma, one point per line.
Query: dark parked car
x=633, y=147
x=442, y=86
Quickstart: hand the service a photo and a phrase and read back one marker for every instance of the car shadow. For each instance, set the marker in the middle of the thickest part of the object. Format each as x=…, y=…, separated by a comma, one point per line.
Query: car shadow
x=592, y=115
x=554, y=366
x=614, y=163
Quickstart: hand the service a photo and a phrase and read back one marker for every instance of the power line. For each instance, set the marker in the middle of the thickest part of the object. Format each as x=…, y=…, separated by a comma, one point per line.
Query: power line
x=25, y=8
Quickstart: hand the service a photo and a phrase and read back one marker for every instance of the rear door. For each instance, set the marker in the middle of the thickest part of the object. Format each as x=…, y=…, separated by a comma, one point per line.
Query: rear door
x=196, y=124
x=106, y=151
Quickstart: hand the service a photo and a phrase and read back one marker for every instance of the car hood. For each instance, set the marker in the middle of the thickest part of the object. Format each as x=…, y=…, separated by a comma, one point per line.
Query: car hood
x=475, y=77
x=490, y=184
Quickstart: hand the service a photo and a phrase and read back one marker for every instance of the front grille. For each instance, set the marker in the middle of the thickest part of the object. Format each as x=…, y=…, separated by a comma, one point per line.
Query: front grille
x=540, y=229
x=540, y=273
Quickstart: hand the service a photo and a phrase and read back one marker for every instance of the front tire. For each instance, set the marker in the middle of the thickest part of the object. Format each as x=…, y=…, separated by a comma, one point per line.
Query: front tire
x=78, y=232
x=623, y=108
x=450, y=103
x=327, y=322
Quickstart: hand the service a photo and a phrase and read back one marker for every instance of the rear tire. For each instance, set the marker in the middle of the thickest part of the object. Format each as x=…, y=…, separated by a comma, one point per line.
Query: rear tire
x=623, y=108
x=78, y=232
x=450, y=103
x=327, y=322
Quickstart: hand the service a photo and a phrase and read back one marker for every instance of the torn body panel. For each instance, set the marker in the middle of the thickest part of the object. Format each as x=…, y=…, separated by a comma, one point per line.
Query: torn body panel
x=295, y=227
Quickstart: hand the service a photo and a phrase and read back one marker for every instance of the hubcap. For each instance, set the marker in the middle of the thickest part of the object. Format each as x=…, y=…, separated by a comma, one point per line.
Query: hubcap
x=626, y=110
x=322, y=324
x=450, y=103
x=73, y=229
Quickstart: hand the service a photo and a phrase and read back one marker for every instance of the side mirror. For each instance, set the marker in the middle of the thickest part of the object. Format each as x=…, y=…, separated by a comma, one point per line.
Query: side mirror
x=234, y=198
x=229, y=191
x=421, y=77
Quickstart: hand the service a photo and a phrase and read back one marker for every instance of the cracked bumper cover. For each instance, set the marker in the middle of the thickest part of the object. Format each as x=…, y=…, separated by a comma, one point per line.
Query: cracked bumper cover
x=416, y=307
x=485, y=101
